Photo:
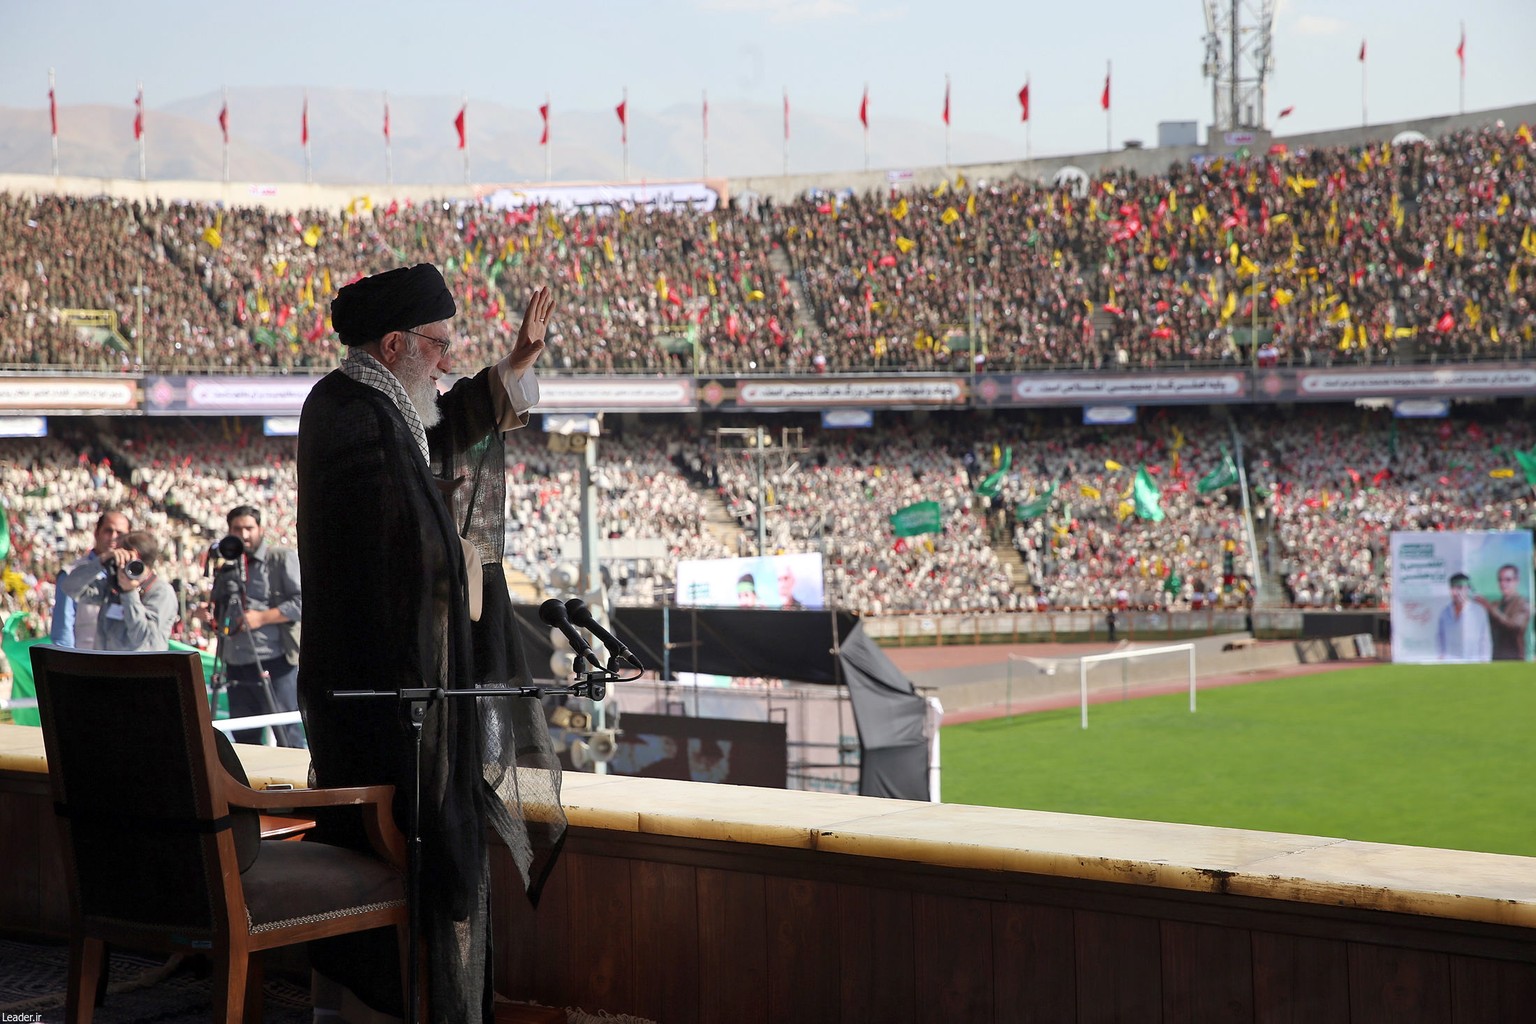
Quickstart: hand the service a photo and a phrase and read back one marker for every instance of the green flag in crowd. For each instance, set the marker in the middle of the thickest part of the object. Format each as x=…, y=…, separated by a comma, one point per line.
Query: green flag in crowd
x=1148, y=497
x=923, y=517
x=989, y=487
x=1037, y=507
x=1527, y=462
x=5, y=535
x=1224, y=475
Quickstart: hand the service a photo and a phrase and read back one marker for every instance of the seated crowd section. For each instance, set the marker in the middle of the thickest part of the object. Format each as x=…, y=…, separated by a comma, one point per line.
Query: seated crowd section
x=1415, y=252
x=1037, y=512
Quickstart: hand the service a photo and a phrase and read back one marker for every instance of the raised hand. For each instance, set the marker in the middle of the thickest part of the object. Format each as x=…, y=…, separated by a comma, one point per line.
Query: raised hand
x=530, y=336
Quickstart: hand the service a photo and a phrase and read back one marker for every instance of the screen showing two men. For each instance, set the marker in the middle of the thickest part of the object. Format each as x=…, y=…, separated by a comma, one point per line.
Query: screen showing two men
x=771, y=581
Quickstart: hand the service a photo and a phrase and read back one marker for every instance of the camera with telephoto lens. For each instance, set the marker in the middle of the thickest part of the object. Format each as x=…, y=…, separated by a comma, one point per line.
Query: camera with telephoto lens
x=230, y=549
x=133, y=569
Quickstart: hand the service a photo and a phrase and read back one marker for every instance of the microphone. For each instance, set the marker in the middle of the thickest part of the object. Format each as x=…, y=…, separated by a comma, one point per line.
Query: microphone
x=553, y=613
x=581, y=615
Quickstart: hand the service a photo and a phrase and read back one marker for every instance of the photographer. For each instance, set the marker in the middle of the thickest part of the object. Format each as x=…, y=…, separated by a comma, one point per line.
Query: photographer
x=137, y=608
x=257, y=606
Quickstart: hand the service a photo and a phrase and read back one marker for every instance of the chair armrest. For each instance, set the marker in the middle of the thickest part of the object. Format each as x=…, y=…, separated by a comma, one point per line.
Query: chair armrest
x=375, y=802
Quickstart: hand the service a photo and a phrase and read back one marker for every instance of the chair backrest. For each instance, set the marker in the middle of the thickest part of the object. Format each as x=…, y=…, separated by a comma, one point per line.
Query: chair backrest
x=130, y=755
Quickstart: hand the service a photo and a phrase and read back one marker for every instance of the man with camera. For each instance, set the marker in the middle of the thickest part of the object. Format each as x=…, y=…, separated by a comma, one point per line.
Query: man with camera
x=74, y=626
x=137, y=607
x=257, y=606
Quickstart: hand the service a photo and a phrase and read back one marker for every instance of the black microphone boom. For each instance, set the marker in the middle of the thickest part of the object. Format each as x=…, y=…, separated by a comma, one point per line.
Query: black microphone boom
x=582, y=616
x=553, y=613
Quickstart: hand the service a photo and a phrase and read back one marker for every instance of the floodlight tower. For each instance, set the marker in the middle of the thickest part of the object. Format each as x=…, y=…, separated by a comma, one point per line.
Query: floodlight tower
x=1239, y=57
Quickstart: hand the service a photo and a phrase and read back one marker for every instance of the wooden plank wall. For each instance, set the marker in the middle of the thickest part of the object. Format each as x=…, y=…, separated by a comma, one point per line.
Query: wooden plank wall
x=684, y=931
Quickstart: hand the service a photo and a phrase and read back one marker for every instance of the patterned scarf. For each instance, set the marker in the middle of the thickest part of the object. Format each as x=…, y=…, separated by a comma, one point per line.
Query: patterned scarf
x=365, y=369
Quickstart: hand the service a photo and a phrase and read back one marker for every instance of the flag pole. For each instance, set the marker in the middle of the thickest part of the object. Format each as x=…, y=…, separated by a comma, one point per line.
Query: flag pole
x=143, y=175
x=786, y=131
x=1364, y=120
x=866, y=127
x=625, y=126
x=549, y=164
x=946, y=119
x=53, y=122
x=1029, y=156
x=309, y=164
x=1109, y=146
x=389, y=146
x=465, y=109
x=706, y=134
x=1461, y=58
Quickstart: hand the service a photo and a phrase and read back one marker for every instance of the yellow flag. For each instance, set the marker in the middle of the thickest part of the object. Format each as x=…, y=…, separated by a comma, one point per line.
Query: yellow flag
x=1109, y=188
x=1089, y=492
x=1283, y=296
x=970, y=205
x=280, y=268
x=1112, y=466
x=1504, y=202
x=959, y=183
x=312, y=235
x=1280, y=218
x=950, y=215
x=1124, y=511
x=756, y=295
x=608, y=252
x=1230, y=306
x=906, y=245
x=1513, y=284
x=714, y=232
x=899, y=211
x=662, y=291
x=212, y=236
x=1178, y=439
x=325, y=281
x=942, y=190
x=1339, y=313
x=1503, y=474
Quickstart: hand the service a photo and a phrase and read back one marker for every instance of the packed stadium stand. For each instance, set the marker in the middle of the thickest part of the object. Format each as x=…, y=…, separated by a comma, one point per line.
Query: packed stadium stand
x=1291, y=259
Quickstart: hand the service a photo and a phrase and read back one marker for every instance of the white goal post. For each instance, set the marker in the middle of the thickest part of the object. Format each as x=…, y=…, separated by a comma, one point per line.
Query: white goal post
x=1125, y=655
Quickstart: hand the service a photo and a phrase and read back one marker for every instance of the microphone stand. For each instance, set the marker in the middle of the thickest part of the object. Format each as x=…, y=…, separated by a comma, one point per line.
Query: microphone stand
x=593, y=685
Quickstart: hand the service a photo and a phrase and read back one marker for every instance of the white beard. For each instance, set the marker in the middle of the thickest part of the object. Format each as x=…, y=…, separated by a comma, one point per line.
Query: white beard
x=415, y=375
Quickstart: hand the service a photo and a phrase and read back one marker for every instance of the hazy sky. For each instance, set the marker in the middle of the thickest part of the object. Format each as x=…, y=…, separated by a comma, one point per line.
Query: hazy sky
x=666, y=51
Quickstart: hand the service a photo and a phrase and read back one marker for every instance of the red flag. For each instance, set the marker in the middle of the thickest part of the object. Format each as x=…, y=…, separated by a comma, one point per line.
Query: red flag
x=1287, y=112
x=304, y=124
x=1445, y=323
x=1461, y=51
x=544, y=113
x=623, y=111
x=138, y=116
x=386, y=120
x=864, y=108
x=1024, y=103
x=946, y=100
x=458, y=124
x=53, y=114
x=224, y=121
x=1104, y=99
x=786, y=116
x=1362, y=51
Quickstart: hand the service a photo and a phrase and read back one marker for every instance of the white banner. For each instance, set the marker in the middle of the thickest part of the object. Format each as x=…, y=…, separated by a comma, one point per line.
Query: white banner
x=1141, y=387
x=1461, y=596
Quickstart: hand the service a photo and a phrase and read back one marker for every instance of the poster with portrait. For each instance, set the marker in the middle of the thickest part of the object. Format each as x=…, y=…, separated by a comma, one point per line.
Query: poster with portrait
x=1461, y=596
x=772, y=581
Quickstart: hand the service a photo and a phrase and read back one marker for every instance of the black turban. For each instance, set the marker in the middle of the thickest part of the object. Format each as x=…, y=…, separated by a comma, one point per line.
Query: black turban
x=395, y=300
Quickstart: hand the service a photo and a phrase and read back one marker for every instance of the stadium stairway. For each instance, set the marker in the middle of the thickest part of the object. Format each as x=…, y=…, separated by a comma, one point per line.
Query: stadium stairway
x=1269, y=582
x=1013, y=565
x=718, y=520
x=805, y=323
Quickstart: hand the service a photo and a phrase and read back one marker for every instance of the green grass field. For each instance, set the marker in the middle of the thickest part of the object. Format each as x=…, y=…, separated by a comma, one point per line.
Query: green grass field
x=1420, y=755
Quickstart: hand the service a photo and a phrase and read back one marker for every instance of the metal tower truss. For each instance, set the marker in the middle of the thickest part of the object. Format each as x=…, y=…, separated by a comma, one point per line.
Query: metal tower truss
x=1239, y=58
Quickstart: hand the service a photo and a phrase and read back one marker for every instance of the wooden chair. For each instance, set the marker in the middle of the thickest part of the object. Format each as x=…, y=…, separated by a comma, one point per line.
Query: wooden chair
x=161, y=842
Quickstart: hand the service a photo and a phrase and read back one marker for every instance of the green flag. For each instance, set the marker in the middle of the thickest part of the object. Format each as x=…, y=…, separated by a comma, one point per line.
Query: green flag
x=5, y=535
x=1037, y=507
x=1148, y=497
x=989, y=487
x=265, y=336
x=924, y=517
x=1527, y=462
x=1224, y=475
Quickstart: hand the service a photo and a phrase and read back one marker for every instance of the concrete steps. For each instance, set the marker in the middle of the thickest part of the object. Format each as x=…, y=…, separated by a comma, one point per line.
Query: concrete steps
x=804, y=322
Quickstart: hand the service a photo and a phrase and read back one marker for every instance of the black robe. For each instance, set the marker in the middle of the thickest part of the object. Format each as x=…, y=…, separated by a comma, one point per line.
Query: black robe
x=388, y=609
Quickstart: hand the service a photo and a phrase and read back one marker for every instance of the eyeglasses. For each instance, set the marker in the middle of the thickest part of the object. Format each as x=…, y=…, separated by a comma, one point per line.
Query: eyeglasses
x=443, y=344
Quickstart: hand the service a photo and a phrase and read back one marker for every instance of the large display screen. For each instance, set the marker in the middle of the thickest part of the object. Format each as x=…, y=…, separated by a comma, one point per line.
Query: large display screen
x=1461, y=596
x=772, y=581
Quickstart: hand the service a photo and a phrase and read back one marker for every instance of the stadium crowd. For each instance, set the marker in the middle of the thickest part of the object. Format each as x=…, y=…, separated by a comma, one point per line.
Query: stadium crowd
x=1407, y=252
x=1040, y=513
